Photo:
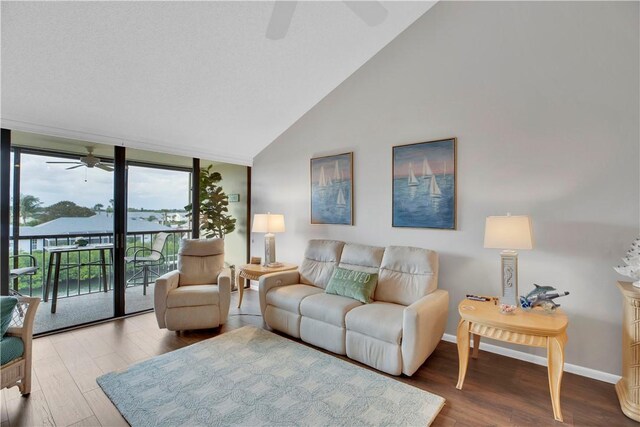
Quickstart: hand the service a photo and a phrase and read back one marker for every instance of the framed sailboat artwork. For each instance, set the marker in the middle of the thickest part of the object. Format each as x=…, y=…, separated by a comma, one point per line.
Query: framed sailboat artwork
x=424, y=185
x=332, y=189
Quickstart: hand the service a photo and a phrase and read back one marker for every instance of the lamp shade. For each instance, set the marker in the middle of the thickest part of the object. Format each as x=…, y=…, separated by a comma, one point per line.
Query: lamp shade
x=268, y=223
x=508, y=232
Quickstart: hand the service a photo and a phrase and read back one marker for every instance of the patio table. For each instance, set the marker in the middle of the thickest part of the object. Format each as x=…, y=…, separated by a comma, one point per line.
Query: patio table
x=55, y=256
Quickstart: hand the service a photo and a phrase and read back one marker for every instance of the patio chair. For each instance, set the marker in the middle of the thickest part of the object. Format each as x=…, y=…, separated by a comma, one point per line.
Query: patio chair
x=29, y=270
x=144, y=259
x=15, y=345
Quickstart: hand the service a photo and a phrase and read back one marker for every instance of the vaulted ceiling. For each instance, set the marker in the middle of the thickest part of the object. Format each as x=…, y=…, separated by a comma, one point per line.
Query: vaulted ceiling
x=192, y=78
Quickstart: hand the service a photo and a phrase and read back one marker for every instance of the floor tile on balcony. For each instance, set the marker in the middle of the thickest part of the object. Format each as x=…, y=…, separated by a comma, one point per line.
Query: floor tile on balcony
x=85, y=308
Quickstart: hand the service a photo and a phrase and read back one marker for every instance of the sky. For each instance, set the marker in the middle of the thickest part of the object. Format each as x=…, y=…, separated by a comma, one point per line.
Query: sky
x=148, y=188
x=440, y=156
x=328, y=163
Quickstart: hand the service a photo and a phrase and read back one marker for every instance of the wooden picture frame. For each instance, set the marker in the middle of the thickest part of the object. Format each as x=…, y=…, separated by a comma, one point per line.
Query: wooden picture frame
x=331, y=184
x=424, y=185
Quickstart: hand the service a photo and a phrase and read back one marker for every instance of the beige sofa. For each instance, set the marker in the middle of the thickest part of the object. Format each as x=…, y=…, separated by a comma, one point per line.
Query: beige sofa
x=197, y=295
x=394, y=334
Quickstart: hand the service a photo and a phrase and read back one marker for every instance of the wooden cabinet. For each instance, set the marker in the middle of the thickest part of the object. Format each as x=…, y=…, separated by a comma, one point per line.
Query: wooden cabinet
x=628, y=388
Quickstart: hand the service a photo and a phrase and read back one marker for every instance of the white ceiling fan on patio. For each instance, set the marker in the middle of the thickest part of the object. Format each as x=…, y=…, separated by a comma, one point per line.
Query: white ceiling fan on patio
x=90, y=161
x=373, y=13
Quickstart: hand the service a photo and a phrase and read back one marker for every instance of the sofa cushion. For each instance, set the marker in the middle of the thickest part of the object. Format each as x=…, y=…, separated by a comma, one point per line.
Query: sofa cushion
x=192, y=296
x=200, y=261
x=7, y=304
x=289, y=297
x=320, y=258
x=379, y=320
x=361, y=257
x=10, y=349
x=358, y=285
x=406, y=275
x=328, y=308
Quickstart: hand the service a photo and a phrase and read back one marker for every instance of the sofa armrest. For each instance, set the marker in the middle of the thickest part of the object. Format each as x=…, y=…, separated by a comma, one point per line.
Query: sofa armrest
x=270, y=281
x=224, y=292
x=164, y=284
x=423, y=325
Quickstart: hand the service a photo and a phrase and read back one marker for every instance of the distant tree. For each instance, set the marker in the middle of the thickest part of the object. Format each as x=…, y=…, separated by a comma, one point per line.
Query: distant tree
x=29, y=207
x=65, y=209
x=110, y=207
x=98, y=207
x=215, y=220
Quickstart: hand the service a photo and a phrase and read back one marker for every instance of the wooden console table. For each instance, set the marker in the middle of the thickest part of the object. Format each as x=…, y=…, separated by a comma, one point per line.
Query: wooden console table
x=533, y=328
x=628, y=388
x=254, y=271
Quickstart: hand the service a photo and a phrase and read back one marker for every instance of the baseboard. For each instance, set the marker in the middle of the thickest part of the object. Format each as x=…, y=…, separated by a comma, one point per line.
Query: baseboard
x=539, y=360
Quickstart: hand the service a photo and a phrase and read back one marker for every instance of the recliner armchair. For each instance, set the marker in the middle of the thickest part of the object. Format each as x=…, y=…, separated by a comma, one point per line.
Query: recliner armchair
x=196, y=295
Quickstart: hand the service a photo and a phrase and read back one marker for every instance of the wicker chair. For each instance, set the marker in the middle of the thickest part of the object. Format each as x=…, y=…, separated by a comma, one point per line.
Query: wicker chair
x=17, y=372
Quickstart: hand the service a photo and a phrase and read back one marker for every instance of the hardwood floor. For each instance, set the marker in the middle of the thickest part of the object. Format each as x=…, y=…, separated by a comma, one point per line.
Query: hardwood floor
x=498, y=391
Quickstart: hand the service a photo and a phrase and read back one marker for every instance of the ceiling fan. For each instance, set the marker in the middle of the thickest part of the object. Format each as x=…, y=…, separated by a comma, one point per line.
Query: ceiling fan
x=371, y=12
x=90, y=161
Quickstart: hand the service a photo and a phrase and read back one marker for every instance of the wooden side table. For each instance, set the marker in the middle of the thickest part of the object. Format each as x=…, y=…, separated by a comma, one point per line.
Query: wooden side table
x=628, y=388
x=254, y=271
x=533, y=328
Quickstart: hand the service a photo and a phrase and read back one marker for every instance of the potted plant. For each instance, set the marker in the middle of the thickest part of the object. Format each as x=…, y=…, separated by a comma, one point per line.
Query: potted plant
x=215, y=220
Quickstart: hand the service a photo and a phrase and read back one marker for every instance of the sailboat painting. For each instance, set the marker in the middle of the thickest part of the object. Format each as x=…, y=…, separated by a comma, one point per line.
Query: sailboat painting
x=332, y=189
x=424, y=185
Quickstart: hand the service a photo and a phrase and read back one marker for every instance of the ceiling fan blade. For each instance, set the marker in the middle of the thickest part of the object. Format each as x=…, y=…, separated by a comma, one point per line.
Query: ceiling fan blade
x=280, y=19
x=75, y=167
x=373, y=13
x=64, y=163
x=104, y=167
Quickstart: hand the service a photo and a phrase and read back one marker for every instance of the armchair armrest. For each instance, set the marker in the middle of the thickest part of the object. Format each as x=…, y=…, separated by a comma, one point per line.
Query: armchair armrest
x=164, y=284
x=160, y=259
x=131, y=248
x=32, y=259
x=224, y=292
x=24, y=329
x=423, y=325
x=270, y=281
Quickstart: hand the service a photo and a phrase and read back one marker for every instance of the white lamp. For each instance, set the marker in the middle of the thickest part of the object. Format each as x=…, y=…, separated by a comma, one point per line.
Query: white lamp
x=268, y=223
x=509, y=233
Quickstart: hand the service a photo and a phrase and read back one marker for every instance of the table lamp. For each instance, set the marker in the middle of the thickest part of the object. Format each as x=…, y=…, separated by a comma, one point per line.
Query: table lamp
x=268, y=223
x=508, y=233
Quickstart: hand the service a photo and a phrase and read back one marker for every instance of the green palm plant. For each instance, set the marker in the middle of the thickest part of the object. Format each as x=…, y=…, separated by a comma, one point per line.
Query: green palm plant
x=215, y=220
x=29, y=206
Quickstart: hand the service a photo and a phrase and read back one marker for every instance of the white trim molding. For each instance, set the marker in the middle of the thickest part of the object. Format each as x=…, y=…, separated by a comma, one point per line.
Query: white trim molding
x=155, y=146
x=539, y=360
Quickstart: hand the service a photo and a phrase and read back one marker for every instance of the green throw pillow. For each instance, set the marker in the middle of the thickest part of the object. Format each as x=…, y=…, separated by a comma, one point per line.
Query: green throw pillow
x=7, y=304
x=353, y=284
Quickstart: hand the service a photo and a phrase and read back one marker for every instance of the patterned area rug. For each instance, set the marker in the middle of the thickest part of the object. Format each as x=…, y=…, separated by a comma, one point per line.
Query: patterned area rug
x=252, y=377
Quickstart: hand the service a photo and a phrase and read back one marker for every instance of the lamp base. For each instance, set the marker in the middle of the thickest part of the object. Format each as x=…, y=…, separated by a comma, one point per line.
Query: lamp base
x=509, y=266
x=269, y=249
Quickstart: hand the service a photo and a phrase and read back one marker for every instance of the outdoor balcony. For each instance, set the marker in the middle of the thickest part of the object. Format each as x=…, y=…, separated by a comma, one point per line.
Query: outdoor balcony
x=81, y=295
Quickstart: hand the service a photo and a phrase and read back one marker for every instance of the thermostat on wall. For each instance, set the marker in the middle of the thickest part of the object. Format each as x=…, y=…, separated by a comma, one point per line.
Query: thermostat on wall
x=234, y=197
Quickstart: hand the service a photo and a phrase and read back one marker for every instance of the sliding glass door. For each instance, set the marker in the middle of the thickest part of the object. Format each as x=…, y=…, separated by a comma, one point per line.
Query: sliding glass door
x=61, y=228
x=92, y=226
x=157, y=218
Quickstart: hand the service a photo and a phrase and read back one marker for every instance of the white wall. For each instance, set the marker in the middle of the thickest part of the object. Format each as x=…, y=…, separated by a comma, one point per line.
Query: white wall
x=543, y=98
